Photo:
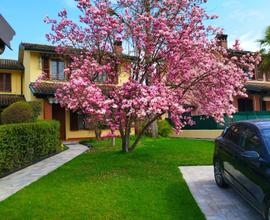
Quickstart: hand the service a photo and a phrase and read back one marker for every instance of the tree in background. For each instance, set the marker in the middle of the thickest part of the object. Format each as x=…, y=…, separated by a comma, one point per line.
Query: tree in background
x=176, y=63
x=265, y=51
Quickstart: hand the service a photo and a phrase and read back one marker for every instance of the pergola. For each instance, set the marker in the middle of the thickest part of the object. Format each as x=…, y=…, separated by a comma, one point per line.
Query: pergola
x=6, y=34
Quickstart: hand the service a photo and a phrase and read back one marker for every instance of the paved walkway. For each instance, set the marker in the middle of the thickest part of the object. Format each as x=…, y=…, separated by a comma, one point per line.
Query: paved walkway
x=16, y=181
x=216, y=203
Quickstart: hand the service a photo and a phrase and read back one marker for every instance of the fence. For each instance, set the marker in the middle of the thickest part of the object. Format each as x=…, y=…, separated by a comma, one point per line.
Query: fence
x=208, y=123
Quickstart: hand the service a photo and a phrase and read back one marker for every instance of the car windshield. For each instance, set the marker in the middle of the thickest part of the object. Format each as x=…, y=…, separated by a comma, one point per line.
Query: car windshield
x=266, y=136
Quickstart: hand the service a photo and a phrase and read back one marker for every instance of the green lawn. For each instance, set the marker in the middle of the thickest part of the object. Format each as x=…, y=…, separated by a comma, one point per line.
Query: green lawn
x=107, y=184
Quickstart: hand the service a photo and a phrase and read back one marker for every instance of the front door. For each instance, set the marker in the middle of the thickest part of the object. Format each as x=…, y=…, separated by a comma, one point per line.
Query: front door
x=59, y=114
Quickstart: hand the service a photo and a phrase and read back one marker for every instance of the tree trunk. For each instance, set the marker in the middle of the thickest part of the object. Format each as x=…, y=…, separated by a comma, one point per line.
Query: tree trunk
x=154, y=129
x=113, y=141
x=98, y=133
x=143, y=130
x=125, y=143
x=125, y=136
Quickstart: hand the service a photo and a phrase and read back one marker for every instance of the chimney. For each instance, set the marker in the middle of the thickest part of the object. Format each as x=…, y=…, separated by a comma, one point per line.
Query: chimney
x=118, y=47
x=222, y=40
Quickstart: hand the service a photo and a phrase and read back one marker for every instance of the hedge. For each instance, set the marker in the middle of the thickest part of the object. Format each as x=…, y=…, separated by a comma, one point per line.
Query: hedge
x=164, y=128
x=25, y=143
x=36, y=107
x=18, y=112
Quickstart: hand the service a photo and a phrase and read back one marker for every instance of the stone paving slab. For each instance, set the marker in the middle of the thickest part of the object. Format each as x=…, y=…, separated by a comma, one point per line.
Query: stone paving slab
x=216, y=203
x=16, y=181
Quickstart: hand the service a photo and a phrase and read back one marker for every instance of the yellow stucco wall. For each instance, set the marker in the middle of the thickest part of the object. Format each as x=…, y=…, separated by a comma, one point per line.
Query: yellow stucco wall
x=16, y=76
x=32, y=71
x=124, y=74
x=204, y=134
x=31, y=62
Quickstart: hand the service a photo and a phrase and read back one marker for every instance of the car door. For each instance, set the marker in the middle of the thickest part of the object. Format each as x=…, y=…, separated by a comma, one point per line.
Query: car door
x=230, y=148
x=251, y=173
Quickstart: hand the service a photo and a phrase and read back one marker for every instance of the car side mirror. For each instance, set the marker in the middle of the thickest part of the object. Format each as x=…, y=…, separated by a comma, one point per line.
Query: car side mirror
x=251, y=155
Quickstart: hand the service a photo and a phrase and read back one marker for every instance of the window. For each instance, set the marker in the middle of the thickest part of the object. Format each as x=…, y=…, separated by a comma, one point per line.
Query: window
x=266, y=136
x=245, y=105
x=233, y=134
x=263, y=108
x=57, y=70
x=251, y=141
x=82, y=123
x=248, y=74
x=259, y=75
x=101, y=78
x=78, y=122
x=5, y=82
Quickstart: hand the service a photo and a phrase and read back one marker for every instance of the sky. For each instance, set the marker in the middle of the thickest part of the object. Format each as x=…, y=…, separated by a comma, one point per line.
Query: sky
x=244, y=20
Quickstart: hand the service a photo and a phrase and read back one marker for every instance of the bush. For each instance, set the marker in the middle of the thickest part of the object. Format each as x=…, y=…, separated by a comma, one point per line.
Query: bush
x=36, y=108
x=164, y=128
x=18, y=112
x=25, y=143
x=139, y=126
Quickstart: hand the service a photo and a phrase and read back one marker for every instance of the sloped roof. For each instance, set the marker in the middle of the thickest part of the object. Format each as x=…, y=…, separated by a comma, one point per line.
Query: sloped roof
x=43, y=89
x=239, y=52
x=10, y=64
x=38, y=47
x=51, y=49
x=47, y=89
x=257, y=86
x=6, y=99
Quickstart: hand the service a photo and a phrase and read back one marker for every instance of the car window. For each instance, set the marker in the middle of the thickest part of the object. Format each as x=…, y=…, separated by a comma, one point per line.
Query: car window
x=266, y=136
x=233, y=134
x=251, y=141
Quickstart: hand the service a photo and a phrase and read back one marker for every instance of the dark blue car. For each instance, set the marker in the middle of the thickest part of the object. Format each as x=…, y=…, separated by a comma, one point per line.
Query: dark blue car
x=242, y=161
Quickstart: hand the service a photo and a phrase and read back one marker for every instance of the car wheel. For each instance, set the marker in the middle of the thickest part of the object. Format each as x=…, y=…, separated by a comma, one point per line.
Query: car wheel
x=218, y=173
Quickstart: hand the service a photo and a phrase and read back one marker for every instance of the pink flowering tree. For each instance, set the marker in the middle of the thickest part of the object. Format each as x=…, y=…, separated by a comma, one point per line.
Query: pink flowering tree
x=176, y=62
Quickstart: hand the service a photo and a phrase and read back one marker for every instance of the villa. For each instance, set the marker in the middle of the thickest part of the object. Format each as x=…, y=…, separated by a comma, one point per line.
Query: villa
x=17, y=78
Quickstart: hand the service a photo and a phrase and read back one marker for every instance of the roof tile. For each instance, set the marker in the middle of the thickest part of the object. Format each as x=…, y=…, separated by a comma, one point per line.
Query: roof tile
x=11, y=64
x=6, y=99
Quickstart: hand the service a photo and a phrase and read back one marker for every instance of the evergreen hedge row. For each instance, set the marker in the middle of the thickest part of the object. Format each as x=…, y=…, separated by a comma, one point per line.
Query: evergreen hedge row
x=25, y=143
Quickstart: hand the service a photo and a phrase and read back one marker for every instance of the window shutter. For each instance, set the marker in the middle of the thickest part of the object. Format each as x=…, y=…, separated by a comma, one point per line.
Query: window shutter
x=74, y=121
x=2, y=85
x=8, y=82
x=5, y=82
x=46, y=66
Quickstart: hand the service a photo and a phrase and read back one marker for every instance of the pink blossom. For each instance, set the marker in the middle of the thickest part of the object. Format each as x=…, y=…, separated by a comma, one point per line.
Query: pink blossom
x=176, y=63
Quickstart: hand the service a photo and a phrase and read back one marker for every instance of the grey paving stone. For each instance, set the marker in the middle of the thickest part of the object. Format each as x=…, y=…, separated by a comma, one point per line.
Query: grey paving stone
x=216, y=203
x=16, y=181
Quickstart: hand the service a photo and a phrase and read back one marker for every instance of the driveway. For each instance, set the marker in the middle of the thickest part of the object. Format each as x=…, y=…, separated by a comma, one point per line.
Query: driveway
x=216, y=203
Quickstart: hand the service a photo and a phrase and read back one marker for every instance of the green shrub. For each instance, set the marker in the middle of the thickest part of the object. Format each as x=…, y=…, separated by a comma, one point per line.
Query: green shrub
x=22, y=144
x=164, y=128
x=139, y=126
x=36, y=108
x=18, y=112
